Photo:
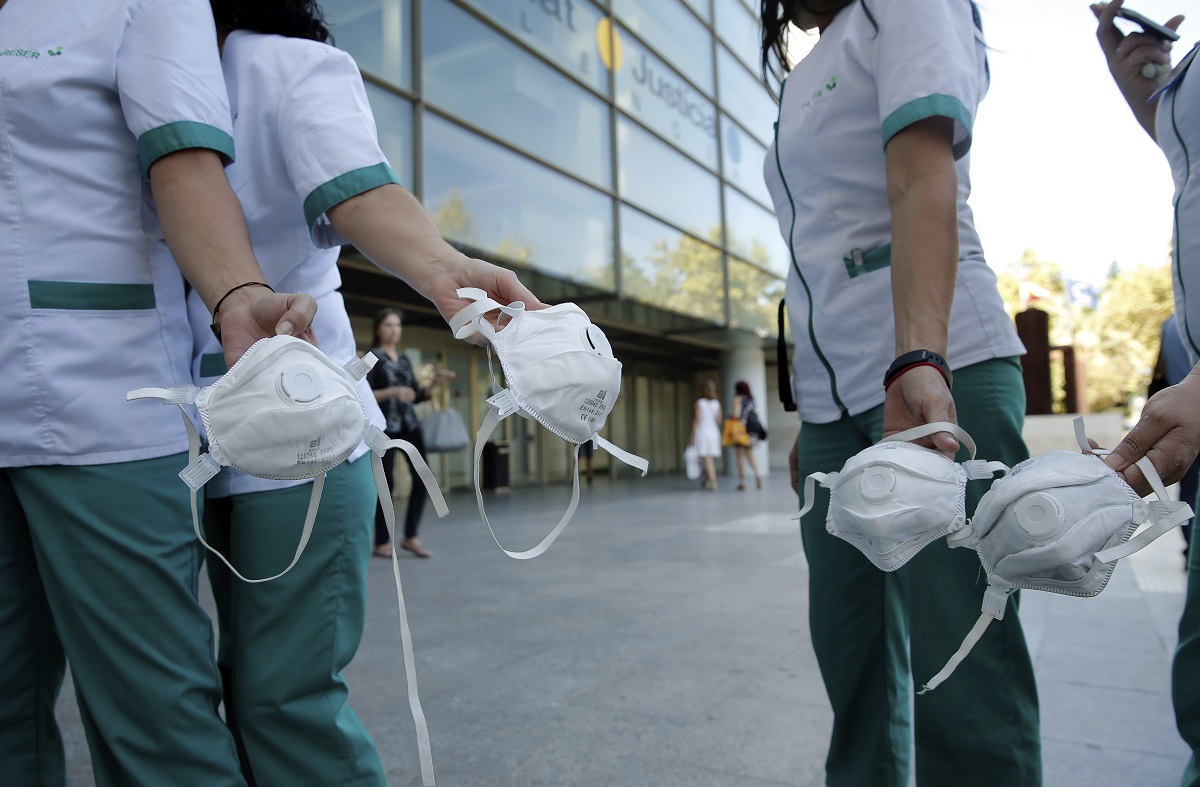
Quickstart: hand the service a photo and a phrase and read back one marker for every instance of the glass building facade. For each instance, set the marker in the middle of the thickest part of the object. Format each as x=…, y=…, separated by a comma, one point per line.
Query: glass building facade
x=611, y=153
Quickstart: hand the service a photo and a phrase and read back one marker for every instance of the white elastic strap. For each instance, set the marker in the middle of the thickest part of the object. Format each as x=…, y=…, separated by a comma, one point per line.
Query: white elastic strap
x=924, y=430
x=176, y=394
x=485, y=431
x=630, y=459
x=379, y=444
x=1165, y=513
x=424, y=749
x=977, y=469
x=810, y=490
x=466, y=322
x=1081, y=438
x=972, y=639
x=310, y=518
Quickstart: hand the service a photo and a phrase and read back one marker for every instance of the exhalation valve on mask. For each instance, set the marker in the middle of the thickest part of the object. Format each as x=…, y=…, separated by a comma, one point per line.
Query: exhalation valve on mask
x=1058, y=522
x=560, y=371
x=893, y=499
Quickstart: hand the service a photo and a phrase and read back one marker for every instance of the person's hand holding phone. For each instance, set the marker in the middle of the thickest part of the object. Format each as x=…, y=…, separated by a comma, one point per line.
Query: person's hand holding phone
x=1130, y=57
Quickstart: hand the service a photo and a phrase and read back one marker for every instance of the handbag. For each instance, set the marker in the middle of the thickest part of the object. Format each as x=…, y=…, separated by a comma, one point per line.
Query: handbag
x=735, y=433
x=754, y=426
x=691, y=462
x=444, y=430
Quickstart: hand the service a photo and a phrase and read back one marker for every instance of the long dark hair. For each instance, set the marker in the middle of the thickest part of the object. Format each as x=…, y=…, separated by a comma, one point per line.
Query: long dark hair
x=775, y=15
x=292, y=18
x=380, y=316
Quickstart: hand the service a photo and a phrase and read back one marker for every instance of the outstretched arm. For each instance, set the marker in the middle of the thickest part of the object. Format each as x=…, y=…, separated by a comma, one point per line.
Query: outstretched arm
x=1128, y=55
x=1168, y=434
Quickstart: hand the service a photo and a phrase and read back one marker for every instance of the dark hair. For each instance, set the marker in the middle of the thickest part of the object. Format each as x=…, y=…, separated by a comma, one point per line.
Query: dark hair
x=292, y=18
x=380, y=316
x=742, y=389
x=775, y=15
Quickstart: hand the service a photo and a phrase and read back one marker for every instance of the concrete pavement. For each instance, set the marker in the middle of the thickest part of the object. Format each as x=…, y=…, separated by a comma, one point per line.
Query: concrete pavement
x=663, y=641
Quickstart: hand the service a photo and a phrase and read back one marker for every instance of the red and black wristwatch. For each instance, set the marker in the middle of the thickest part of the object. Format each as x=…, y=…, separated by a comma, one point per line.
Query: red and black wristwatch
x=914, y=359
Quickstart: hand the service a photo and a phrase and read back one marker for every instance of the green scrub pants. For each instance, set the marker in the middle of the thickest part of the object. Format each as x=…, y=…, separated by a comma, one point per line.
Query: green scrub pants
x=876, y=633
x=284, y=643
x=98, y=564
x=1185, y=670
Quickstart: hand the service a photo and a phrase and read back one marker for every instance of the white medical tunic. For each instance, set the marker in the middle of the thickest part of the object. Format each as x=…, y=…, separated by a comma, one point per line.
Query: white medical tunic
x=92, y=92
x=1177, y=126
x=862, y=83
x=306, y=141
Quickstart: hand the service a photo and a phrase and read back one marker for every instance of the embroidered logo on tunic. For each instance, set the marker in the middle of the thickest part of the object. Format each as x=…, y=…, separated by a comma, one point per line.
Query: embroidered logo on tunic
x=819, y=94
x=20, y=53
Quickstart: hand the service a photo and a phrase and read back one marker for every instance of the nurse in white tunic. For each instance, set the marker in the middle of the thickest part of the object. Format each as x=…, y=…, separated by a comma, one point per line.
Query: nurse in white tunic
x=869, y=175
x=1169, y=110
x=114, y=127
x=310, y=177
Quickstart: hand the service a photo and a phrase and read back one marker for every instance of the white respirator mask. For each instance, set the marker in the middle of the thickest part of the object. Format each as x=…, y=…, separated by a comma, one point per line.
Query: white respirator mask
x=560, y=371
x=893, y=499
x=1058, y=522
x=285, y=411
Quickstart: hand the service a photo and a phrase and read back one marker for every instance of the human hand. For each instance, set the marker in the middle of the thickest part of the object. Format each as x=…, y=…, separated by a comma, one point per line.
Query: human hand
x=253, y=313
x=443, y=375
x=920, y=396
x=1128, y=55
x=1168, y=434
x=794, y=465
x=405, y=394
x=445, y=276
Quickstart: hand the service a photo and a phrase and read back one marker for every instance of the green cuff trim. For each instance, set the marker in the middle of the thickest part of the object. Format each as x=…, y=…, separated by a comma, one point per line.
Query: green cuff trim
x=80, y=295
x=345, y=186
x=859, y=263
x=213, y=365
x=185, y=134
x=936, y=105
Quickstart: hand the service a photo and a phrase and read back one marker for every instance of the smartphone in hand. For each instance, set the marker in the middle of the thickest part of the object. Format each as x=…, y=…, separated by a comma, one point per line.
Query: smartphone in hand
x=1149, y=27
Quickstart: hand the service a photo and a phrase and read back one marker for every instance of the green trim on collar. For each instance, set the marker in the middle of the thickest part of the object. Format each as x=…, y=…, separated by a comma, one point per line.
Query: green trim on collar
x=936, y=105
x=1177, y=240
x=213, y=365
x=88, y=296
x=182, y=135
x=859, y=263
x=345, y=186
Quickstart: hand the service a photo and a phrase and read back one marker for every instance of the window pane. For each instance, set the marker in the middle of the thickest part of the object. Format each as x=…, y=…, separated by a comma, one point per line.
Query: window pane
x=500, y=202
x=753, y=233
x=744, y=97
x=744, y=158
x=673, y=32
x=701, y=8
x=378, y=33
x=740, y=30
x=655, y=94
x=566, y=31
x=473, y=72
x=666, y=268
x=754, y=298
x=664, y=181
x=394, y=122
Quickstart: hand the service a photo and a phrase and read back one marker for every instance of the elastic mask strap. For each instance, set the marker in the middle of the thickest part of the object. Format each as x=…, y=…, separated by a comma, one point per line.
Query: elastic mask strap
x=310, y=518
x=924, y=430
x=424, y=749
x=490, y=423
x=630, y=459
x=379, y=443
x=977, y=469
x=994, y=602
x=466, y=323
x=1164, y=512
x=177, y=394
x=810, y=490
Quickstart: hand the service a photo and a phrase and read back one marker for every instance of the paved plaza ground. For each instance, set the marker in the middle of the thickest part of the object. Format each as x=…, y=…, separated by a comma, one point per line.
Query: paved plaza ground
x=663, y=641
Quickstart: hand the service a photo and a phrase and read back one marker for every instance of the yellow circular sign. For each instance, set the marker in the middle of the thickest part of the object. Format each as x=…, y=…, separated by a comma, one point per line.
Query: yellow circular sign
x=608, y=41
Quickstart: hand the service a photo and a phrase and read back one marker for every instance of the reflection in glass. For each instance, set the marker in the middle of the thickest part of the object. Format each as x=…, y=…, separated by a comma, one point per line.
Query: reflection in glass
x=752, y=232
x=394, y=123
x=664, y=267
x=378, y=33
x=565, y=31
x=475, y=73
x=675, y=33
x=745, y=97
x=500, y=202
x=744, y=158
x=740, y=30
x=659, y=178
x=754, y=297
x=655, y=94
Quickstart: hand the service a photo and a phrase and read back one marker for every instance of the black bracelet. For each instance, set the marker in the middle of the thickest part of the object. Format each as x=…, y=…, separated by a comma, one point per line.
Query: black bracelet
x=917, y=358
x=216, y=328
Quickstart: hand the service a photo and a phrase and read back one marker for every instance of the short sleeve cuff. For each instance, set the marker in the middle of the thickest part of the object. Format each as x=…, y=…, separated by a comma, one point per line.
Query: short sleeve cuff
x=181, y=135
x=936, y=105
x=345, y=186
